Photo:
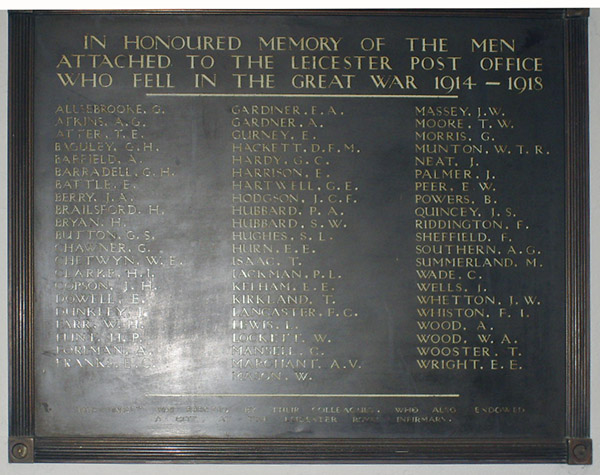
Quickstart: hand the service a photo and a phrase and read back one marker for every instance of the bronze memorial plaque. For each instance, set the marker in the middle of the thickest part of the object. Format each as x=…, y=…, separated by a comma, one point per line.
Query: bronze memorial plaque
x=347, y=236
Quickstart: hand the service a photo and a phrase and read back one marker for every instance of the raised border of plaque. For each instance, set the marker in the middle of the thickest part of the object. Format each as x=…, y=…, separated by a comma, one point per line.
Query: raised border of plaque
x=25, y=446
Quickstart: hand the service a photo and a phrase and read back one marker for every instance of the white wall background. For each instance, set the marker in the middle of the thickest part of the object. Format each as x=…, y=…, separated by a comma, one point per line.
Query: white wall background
x=88, y=469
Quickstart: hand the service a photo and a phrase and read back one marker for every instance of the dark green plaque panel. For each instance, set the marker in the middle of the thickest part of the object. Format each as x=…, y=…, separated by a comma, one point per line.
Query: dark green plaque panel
x=343, y=236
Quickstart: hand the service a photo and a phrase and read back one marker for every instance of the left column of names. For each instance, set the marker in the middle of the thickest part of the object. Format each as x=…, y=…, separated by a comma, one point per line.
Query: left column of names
x=104, y=259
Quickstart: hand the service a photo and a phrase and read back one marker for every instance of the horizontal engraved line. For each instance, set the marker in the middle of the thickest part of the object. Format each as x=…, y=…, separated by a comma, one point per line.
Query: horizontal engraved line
x=344, y=96
x=492, y=83
x=309, y=395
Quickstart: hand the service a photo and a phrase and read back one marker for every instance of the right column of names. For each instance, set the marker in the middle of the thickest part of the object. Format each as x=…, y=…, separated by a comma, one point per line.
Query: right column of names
x=471, y=240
